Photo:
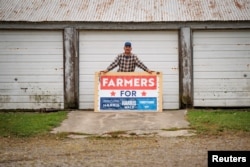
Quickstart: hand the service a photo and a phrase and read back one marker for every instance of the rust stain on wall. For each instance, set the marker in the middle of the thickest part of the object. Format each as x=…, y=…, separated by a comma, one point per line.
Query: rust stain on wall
x=4, y=99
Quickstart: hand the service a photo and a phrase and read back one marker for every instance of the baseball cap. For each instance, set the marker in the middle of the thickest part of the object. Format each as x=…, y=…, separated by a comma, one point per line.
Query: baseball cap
x=127, y=44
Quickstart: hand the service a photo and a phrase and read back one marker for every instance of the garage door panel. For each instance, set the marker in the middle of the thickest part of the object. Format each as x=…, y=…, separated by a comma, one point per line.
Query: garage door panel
x=221, y=34
x=30, y=92
x=158, y=44
x=219, y=61
x=41, y=71
x=32, y=86
x=219, y=89
x=138, y=51
x=216, y=41
x=39, y=105
x=221, y=68
x=51, y=58
x=215, y=47
x=30, y=36
x=222, y=95
x=34, y=65
x=38, y=98
x=170, y=67
x=29, y=78
x=31, y=69
x=215, y=75
x=129, y=35
x=217, y=54
x=32, y=51
x=169, y=105
x=158, y=51
x=86, y=105
x=145, y=57
x=171, y=85
x=33, y=45
x=171, y=98
x=87, y=78
x=88, y=90
x=221, y=102
x=171, y=80
x=221, y=84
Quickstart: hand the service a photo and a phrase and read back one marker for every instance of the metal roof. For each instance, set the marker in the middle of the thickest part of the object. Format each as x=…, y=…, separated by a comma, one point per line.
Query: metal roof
x=124, y=10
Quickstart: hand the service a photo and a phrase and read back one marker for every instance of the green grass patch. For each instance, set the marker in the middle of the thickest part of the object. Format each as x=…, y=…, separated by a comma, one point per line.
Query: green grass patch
x=215, y=121
x=26, y=124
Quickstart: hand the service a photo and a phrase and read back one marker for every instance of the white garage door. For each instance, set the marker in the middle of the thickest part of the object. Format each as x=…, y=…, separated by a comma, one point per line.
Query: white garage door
x=31, y=69
x=158, y=50
x=221, y=68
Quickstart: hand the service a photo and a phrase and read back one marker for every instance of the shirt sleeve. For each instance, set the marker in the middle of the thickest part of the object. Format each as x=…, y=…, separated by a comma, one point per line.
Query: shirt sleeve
x=114, y=64
x=140, y=64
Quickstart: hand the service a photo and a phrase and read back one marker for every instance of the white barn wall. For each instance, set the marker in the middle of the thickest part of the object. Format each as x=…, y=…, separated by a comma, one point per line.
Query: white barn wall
x=31, y=69
x=158, y=50
x=221, y=68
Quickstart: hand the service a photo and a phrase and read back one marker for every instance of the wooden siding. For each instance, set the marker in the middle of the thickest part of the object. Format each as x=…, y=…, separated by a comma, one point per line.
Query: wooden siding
x=221, y=68
x=71, y=70
x=158, y=50
x=31, y=69
x=186, y=67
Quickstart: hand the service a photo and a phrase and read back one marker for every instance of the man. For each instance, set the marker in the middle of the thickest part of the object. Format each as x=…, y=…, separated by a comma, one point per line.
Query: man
x=127, y=61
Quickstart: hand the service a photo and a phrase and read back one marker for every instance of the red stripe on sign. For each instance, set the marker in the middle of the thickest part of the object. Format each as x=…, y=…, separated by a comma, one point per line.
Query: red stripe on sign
x=128, y=82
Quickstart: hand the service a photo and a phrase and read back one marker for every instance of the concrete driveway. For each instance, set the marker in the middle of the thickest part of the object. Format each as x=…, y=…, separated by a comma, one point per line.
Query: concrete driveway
x=167, y=124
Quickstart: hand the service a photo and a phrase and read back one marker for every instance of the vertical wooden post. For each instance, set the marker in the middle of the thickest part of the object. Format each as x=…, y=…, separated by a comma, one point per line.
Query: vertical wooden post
x=186, y=68
x=71, y=68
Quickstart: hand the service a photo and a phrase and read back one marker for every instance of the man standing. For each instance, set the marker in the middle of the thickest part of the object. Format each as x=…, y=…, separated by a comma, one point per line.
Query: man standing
x=127, y=61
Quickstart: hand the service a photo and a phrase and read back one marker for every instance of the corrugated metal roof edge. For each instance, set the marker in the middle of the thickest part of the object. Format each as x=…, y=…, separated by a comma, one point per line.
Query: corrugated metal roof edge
x=70, y=21
x=125, y=25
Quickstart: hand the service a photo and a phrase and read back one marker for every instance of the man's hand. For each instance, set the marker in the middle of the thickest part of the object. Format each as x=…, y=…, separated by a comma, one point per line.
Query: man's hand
x=104, y=71
x=149, y=71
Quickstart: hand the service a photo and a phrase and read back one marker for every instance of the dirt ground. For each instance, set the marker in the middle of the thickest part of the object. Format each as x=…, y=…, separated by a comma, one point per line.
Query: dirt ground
x=133, y=151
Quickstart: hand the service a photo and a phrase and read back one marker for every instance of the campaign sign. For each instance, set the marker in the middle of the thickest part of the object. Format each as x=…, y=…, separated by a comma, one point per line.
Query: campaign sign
x=128, y=91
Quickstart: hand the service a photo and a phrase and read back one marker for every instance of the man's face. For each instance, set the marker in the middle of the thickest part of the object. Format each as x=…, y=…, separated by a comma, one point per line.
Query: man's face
x=127, y=49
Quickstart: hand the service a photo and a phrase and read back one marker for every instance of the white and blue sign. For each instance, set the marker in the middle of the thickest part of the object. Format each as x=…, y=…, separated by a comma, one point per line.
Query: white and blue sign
x=128, y=92
x=140, y=103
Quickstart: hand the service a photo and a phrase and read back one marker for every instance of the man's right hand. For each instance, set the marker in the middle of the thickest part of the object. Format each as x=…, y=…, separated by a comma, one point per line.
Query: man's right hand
x=104, y=71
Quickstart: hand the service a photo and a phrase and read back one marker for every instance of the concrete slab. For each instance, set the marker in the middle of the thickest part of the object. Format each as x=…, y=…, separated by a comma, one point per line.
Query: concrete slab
x=136, y=123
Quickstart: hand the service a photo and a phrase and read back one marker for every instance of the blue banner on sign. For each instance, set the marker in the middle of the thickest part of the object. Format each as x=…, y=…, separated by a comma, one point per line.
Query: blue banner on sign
x=140, y=103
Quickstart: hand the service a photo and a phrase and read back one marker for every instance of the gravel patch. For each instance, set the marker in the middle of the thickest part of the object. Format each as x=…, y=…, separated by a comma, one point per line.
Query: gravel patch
x=117, y=151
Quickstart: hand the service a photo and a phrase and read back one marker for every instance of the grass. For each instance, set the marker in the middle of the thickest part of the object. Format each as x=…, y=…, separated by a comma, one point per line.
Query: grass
x=216, y=121
x=27, y=124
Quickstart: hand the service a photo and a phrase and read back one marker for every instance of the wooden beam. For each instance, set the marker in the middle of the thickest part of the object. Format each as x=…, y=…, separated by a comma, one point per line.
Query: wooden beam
x=71, y=68
x=186, y=68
